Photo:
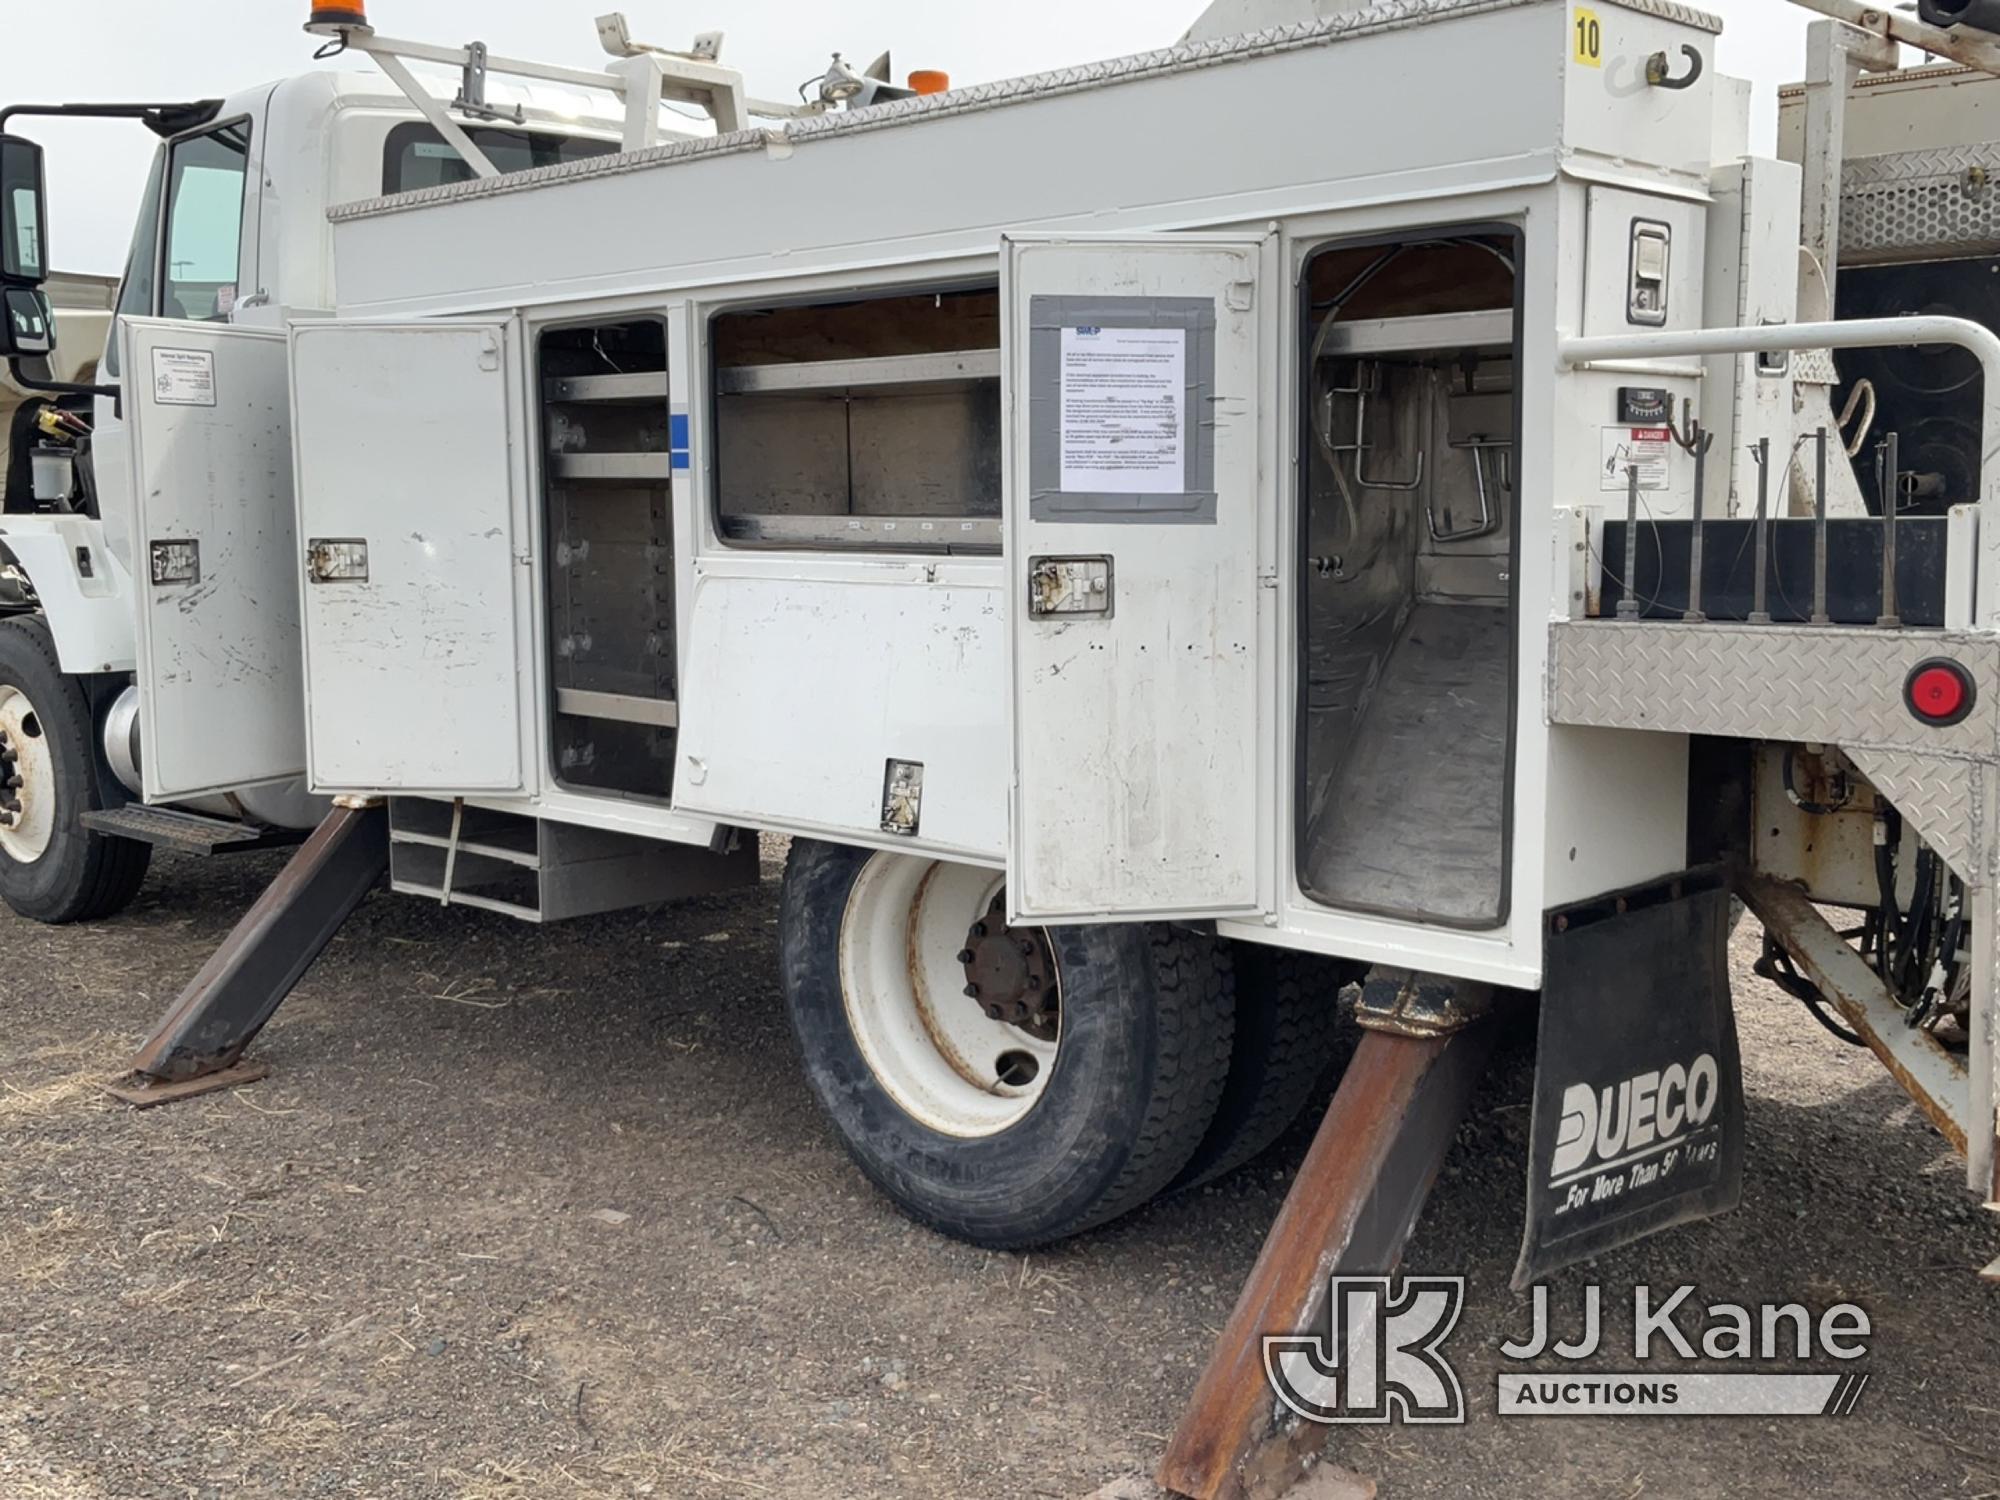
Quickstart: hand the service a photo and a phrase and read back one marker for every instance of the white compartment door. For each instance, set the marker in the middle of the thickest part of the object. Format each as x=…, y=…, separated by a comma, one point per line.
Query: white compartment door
x=408, y=469
x=1139, y=395
x=215, y=564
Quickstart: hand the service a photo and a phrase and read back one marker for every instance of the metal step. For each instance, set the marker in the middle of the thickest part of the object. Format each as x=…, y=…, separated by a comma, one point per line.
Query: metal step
x=186, y=832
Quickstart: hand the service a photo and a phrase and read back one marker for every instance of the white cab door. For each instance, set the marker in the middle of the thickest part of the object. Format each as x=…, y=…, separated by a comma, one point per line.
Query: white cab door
x=409, y=454
x=215, y=557
x=1139, y=377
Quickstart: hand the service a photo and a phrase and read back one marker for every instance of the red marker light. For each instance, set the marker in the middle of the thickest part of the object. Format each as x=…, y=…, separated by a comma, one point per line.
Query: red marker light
x=1938, y=691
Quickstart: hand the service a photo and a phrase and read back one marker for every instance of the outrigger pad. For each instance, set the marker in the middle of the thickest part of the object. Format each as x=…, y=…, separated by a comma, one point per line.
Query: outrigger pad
x=1638, y=1121
x=141, y=1092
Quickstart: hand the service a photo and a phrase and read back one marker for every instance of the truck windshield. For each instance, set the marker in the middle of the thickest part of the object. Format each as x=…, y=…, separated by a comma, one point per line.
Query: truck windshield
x=416, y=156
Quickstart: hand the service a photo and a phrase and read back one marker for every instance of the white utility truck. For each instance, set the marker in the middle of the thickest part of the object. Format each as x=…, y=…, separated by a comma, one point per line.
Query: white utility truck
x=1132, y=527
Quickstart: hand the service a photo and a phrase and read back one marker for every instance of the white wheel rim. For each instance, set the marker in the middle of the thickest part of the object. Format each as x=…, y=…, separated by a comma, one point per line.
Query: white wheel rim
x=25, y=829
x=932, y=1048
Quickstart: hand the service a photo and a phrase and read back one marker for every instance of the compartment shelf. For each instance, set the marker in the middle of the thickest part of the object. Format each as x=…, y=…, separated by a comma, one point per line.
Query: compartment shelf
x=1423, y=333
x=522, y=851
x=625, y=708
x=520, y=911
x=615, y=466
x=847, y=374
x=916, y=533
x=649, y=387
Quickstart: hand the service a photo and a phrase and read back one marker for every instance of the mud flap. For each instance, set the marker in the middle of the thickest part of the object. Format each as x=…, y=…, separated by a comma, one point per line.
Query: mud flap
x=1638, y=1113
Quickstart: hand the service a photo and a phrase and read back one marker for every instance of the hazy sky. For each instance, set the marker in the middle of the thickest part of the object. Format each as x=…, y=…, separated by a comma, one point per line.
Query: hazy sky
x=82, y=50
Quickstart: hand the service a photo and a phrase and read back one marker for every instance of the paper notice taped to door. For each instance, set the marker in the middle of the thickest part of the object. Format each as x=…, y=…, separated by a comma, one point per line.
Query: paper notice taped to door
x=183, y=377
x=1124, y=411
x=1647, y=449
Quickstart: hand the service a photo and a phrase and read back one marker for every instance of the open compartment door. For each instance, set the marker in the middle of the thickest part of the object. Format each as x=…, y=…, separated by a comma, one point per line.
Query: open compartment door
x=408, y=476
x=221, y=703
x=1138, y=403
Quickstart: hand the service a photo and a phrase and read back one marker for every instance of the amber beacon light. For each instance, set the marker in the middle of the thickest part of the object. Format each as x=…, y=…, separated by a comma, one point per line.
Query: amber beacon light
x=332, y=16
x=929, y=81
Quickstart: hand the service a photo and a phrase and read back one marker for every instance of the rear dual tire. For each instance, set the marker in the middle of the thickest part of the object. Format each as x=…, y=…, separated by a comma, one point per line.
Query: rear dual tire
x=1120, y=1102
x=1160, y=1072
x=1286, y=1037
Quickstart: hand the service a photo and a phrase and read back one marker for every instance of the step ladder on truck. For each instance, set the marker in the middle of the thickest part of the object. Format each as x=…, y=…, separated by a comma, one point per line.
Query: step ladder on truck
x=1454, y=569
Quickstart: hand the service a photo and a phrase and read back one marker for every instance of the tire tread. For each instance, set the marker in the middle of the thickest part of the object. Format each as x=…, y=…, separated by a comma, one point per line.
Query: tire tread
x=1197, y=1016
x=1287, y=1030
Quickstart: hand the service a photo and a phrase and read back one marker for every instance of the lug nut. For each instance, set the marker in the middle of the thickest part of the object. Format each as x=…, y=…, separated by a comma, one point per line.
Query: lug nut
x=979, y=929
x=965, y=955
x=972, y=991
x=993, y=1012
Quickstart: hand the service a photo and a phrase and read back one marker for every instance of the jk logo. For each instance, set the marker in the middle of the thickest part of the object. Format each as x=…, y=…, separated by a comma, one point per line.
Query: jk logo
x=1381, y=1362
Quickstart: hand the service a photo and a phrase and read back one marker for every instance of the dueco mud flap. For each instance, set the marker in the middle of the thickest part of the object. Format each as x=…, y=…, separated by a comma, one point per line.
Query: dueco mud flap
x=1638, y=1115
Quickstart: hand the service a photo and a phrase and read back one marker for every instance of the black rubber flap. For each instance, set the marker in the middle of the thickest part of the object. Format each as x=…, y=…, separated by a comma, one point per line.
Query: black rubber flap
x=1638, y=1121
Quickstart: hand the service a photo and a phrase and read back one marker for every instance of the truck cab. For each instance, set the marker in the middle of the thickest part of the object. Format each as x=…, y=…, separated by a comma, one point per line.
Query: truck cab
x=231, y=232
x=232, y=227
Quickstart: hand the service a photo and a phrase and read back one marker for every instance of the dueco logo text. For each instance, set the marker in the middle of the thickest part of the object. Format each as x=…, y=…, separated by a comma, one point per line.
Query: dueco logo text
x=1643, y=1114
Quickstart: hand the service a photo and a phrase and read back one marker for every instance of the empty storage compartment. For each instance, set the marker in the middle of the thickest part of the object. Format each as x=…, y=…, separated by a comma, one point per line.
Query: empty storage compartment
x=608, y=456
x=1406, y=613
x=863, y=423
x=542, y=871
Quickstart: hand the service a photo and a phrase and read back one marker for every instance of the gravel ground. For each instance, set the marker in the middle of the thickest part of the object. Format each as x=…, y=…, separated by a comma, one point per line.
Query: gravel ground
x=529, y=1213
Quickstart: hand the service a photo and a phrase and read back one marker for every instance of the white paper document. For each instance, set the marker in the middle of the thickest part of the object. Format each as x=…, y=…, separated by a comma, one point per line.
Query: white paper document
x=1124, y=411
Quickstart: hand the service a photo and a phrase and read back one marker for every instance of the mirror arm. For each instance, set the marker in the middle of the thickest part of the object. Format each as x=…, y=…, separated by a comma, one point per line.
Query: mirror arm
x=28, y=382
x=161, y=119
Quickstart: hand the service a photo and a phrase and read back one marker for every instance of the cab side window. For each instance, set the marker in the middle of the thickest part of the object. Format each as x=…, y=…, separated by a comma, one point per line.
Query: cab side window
x=135, y=292
x=204, y=223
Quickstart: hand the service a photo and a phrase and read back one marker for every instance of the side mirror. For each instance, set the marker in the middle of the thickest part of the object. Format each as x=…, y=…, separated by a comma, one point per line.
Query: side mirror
x=27, y=322
x=24, y=226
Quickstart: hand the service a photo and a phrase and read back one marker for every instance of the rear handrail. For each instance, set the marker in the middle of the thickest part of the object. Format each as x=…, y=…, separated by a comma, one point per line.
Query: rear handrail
x=1857, y=333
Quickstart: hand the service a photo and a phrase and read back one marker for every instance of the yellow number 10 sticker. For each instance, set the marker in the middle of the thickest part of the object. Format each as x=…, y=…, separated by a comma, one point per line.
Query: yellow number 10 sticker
x=1589, y=39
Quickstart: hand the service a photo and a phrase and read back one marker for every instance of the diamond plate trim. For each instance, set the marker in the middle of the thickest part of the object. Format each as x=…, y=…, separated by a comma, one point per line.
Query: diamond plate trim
x=1911, y=204
x=1836, y=685
x=1389, y=15
x=1814, y=367
x=1673, y=10
x=1943, y=798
